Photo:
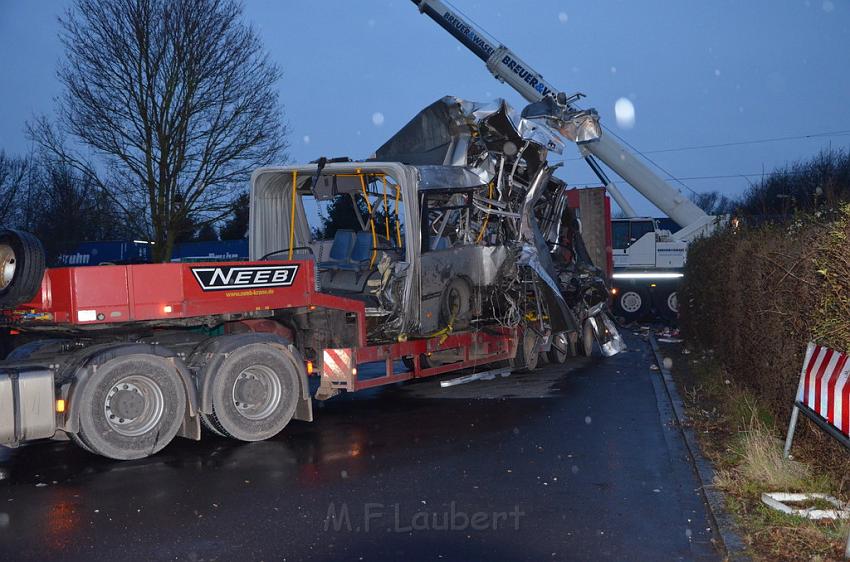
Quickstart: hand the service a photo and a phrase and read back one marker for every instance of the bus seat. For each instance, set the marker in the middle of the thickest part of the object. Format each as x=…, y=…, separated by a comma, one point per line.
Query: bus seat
x=341, y=249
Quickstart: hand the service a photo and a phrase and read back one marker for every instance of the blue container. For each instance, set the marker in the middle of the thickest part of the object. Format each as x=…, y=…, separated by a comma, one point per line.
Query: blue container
x=224, y=250
x=107, y=252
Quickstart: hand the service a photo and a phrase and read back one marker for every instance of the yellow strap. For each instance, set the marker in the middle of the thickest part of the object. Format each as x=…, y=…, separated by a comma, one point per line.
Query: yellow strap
x=487, y=216
x=292, y=215
x=397, y=221
x=386, y=210
x=371, y=222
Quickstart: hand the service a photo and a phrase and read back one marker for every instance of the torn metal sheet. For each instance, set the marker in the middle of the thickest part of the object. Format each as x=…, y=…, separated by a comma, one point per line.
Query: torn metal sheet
x=535, y=254
x=450, y=177
x=612, y=343
x=485, y=376
x=441, y=134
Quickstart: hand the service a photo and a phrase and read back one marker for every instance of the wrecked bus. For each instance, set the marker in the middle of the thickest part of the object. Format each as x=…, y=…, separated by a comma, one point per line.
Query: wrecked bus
x=453, y=249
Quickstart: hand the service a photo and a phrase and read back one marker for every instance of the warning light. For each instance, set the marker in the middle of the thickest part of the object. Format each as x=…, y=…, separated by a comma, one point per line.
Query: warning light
x=311, y=307
x=309, y=367
x=615, y=290
x=60, y=406
x=653, y=285
x=167, y=309
x=354, y=371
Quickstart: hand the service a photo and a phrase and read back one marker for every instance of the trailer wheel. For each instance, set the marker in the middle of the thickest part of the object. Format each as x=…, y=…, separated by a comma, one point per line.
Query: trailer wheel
x=424, y=362
x=21, y=267
x=527, y=356
x=667, y=304
x=254, y=393
x=455, y=304
x=587, y=339
x=559, y=350
x=631, y=304
x=75, y=437
x=131, y=408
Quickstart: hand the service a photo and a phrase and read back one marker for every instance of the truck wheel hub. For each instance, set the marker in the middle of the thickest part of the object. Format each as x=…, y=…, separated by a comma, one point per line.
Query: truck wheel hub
x=673, y=302
x=250, y=392
x=631, y=301
x=134, y=405
x=127, y=404
x=256, y=392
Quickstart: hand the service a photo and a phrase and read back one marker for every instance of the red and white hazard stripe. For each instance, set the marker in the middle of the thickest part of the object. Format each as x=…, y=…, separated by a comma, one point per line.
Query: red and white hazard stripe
x=824, y=386
x=337, y=364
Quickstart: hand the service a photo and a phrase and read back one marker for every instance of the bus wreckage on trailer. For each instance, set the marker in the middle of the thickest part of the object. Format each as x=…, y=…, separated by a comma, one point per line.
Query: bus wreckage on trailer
x=463, y=252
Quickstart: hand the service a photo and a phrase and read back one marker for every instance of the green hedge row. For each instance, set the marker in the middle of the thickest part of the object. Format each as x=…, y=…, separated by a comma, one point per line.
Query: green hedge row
x=756, y=296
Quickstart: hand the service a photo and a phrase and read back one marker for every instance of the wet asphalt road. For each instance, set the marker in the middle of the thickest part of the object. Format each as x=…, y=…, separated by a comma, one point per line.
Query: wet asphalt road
x=576, y=462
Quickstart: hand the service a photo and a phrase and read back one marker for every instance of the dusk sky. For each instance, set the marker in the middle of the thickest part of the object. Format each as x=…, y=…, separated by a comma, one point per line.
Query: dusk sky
x=696, y=74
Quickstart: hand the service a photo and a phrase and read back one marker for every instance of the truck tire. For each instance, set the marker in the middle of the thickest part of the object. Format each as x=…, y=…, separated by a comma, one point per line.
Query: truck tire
x=424, y=362
x=131, y=408
x=22, y=266
x=667, y=304
x=456, y=303
x=527, y=356
x=632, y=304
x=254, y=393
x=587, y=339
x=559, y=350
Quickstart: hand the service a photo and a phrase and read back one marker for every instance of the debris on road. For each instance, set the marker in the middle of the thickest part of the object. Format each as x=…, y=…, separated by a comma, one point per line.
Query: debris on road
x=779, y=501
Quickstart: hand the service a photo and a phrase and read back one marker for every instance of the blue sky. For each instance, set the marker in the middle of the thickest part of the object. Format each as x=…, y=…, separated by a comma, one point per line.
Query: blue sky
x=697, y=73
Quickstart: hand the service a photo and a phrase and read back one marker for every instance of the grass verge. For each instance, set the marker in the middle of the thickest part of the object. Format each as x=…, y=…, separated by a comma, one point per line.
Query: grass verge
x=744, y=441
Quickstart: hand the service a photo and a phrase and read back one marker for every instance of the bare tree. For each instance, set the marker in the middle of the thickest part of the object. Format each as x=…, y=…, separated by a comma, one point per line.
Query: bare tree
x=236, y=225
x=14, y=173
x=64, y=208
x=714, y=203
x=177, y=96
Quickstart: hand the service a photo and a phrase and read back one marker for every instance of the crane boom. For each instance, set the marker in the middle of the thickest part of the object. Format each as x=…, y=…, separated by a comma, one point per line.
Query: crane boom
x=507, y=67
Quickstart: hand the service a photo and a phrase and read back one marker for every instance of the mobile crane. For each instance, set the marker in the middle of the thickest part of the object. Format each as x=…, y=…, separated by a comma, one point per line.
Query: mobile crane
x=647, y=260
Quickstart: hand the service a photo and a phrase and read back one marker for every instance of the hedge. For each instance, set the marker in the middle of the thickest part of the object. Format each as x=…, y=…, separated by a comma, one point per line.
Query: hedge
x=756, y=296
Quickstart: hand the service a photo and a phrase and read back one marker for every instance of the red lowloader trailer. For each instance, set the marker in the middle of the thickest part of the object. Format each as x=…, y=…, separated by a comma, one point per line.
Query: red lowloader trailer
x=149, y=352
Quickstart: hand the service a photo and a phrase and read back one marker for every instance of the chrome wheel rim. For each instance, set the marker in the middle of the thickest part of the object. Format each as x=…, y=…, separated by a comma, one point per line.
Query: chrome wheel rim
x=134, y=405
x=256, y=392
x=561, y=345
x=8, y=263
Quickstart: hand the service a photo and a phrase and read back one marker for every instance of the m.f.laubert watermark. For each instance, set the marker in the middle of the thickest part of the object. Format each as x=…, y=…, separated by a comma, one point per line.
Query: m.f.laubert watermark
x=393, y=518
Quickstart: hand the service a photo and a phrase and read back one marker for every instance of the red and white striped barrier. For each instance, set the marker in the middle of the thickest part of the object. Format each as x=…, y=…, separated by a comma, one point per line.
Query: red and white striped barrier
x=823, y=393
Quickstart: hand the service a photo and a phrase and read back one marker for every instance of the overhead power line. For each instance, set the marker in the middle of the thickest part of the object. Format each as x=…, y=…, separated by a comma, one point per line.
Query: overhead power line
x=717, y=177
x=651, y=161
x=710, y=146
x=743, y=143
x=756, y=141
